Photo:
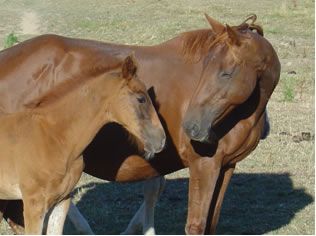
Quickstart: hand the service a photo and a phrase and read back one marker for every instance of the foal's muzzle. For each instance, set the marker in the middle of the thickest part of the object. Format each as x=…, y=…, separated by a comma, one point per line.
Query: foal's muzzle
x=155, y=142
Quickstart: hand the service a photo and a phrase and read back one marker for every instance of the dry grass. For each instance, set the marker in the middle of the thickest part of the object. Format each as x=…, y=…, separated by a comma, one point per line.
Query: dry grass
x=272, y=191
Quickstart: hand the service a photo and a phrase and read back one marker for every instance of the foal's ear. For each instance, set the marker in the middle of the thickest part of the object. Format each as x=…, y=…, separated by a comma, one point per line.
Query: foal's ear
x=233, y=35
x=129, y=68
x=217, y=27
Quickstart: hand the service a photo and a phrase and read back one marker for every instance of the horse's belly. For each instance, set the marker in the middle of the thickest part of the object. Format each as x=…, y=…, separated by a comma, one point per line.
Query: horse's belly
x=9, y=183
x=9, y=191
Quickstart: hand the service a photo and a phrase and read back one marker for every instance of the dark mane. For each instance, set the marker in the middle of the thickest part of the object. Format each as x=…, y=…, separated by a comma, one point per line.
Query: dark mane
x=197, y=43
x=70, y=84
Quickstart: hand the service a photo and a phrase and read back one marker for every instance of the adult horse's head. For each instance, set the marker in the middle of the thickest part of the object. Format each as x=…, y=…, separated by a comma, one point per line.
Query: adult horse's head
x=135, y=111
x=235, y=59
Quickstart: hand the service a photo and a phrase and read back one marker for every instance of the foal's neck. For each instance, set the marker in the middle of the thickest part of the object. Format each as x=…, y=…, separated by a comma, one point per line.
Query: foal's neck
x=77, y=116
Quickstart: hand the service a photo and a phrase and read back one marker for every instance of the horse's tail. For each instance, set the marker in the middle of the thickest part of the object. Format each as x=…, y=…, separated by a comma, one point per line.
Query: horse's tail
x=266, y=127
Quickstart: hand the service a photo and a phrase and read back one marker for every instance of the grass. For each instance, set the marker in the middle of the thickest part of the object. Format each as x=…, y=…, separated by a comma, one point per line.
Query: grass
x=11, y=40
x=288, y=94
x=288, y=89
x=273, y=189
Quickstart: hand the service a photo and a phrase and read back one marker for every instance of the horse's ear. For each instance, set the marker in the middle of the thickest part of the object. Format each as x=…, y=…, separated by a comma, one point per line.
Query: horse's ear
x=233, y=35
x=217, y=27
x=129, y=68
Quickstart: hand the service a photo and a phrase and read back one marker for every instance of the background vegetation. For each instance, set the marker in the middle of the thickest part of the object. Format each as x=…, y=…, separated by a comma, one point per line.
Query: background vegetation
x=272, y=191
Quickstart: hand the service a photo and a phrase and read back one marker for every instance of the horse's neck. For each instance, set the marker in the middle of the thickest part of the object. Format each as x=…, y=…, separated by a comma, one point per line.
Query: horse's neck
x=269, y=78
x=171, y=48
x=77, y=116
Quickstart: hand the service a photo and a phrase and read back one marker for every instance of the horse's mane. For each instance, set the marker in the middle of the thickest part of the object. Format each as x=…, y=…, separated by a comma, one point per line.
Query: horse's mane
x=71, y=84
x=197, y=43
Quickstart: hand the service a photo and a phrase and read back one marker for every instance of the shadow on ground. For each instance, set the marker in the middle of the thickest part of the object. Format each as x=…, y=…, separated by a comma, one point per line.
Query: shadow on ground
x=254, y=204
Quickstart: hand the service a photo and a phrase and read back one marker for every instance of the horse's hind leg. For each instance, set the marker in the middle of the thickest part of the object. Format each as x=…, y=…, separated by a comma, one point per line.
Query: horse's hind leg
x=152, y=192
x=145, y=215
x=78, y=221
x=13, y=214
x=56, y=217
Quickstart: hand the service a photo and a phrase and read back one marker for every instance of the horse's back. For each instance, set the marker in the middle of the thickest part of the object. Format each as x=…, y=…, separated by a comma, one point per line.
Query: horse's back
x=24, y=66
x=35, y=66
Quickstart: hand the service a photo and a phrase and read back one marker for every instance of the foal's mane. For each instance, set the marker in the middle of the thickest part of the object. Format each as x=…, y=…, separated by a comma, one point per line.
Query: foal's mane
x=197, y=43
x=71, y=84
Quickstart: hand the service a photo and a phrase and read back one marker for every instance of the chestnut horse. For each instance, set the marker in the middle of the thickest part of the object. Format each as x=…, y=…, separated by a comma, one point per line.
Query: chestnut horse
x=178, y=68
x=41, y=159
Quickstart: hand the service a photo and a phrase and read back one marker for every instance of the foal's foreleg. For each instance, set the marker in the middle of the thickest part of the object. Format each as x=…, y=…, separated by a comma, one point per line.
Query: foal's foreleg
x=204, y=173
x=57, y=216
x=144, y=217
x=34, y=213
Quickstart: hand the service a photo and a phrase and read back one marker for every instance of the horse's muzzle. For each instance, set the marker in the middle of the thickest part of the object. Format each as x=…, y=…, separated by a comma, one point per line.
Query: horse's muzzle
x=194, y=131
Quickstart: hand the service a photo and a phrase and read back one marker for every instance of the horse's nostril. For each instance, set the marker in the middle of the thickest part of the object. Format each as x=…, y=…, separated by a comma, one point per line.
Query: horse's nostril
x=193, y=129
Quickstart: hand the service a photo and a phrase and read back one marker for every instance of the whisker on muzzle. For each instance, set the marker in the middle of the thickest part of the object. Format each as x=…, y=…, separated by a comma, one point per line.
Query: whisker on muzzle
x=148, y=155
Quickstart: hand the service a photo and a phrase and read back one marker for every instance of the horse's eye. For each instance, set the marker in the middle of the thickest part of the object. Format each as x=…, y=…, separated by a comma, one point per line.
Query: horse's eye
x=226, y=75
x=228, y=72
x=141, y=99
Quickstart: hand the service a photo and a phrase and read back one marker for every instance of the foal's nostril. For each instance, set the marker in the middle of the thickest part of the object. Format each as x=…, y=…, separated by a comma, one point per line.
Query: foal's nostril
x=163, y=143
x=161, y=146
x=155, y=142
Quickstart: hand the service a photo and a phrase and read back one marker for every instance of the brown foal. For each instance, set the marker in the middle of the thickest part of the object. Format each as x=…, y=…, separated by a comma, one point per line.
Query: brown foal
x=41, y=147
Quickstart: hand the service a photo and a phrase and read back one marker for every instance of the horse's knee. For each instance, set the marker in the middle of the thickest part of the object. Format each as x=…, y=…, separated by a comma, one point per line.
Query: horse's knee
x=153, y=189
x=193, y=228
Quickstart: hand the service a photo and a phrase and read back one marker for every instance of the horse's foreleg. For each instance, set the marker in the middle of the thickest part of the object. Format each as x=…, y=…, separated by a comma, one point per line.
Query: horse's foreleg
x=218, y=197
x=145, y=215
x=78, y=221
x=204, y=173
x=57, y=216
x=136, y=221
x=152, y=191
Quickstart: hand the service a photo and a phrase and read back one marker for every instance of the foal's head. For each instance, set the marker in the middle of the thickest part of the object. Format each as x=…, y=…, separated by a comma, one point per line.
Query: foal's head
x=133, y=109
x=235, y=59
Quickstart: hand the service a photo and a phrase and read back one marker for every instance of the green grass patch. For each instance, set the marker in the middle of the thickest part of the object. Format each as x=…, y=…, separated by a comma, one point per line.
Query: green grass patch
x=12, y=39
x=288, y=94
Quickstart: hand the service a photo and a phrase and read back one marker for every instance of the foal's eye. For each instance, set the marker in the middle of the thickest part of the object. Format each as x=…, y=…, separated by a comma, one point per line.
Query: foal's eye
x=141, y=99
